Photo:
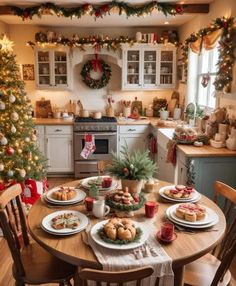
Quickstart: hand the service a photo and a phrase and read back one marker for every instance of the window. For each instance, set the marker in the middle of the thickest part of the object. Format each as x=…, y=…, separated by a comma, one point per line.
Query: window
x=202, y=73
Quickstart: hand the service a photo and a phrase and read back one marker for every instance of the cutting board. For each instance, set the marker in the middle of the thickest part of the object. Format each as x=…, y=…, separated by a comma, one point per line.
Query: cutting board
x=43, y=108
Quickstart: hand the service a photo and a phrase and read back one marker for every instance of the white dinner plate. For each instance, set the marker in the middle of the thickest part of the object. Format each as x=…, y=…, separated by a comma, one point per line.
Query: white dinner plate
x=85, y=183
x=196, y=195
x=131, y=245
x=80, y=196
x=210, y=219
x=47, y=223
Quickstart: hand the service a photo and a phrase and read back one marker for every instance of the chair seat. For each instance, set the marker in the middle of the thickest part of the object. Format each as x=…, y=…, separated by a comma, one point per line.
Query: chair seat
x=41, y=267
x=202, y=272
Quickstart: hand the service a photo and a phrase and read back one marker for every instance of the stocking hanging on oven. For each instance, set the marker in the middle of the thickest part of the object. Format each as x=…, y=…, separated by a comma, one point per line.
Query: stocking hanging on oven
x=89, y=146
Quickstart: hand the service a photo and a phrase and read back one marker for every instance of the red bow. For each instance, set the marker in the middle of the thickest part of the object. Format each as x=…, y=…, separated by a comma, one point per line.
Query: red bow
x=96, y=64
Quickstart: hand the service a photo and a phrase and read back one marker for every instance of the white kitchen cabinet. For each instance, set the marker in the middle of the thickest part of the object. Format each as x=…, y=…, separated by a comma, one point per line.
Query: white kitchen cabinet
x=52, y=68
x=166, y=171
x=149, y=66
x=135, y=136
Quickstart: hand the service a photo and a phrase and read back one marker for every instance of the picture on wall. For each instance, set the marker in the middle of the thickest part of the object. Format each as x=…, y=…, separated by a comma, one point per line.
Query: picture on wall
x=28, y=72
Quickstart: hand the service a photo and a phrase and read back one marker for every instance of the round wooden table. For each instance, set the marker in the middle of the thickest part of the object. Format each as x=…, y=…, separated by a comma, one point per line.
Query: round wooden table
x=186, y=248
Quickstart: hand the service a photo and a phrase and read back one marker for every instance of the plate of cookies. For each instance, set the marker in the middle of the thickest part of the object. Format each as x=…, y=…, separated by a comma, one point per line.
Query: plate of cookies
x=179, y=193
x=64, y=222
x=192, y=215
x=65, y=195
x=119, y=233
x=104, y=183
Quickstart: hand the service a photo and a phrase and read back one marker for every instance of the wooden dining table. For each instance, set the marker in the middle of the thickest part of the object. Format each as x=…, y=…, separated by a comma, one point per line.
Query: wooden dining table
x=186, y=248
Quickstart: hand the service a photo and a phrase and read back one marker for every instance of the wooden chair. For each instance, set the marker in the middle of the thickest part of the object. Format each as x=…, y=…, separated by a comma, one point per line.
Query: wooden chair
x=31, y=263
x=118, y=278
x=213, y=269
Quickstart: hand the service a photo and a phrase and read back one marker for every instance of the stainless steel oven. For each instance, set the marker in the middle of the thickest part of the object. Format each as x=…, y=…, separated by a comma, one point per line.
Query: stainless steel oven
x=105, y=133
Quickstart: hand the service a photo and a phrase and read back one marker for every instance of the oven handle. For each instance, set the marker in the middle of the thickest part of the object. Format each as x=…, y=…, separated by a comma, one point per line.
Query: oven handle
x=97, y=134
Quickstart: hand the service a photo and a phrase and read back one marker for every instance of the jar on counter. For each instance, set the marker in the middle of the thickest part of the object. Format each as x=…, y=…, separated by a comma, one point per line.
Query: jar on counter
x=149, y=111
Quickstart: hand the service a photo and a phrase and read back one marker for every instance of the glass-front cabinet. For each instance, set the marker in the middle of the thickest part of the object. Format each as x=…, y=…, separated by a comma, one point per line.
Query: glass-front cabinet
x=52, y=68
x=149, y=66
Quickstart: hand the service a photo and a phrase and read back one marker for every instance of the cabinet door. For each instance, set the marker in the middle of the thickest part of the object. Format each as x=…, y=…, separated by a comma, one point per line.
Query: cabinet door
x=40, y=138
x=167, y=68
x=149, y=68
x=166, y=171
x=181, y=173
x=59, y=153
x=134, y=142
x=60, y=67
x=43, y=68
x=132, y=69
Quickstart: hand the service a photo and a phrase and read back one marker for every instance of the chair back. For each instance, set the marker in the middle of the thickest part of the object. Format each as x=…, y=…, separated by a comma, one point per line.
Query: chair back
x=228, y=194
x=101, y=166
x=118, y=278
x=13, y=224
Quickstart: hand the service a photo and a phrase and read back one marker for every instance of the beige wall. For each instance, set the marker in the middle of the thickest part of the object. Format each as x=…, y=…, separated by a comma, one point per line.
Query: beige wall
x=3, y=28
x=92, y=99
x=218, y=8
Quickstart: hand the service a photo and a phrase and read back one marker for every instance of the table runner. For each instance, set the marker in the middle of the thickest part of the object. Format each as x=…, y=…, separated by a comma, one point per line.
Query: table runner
x=120, y=260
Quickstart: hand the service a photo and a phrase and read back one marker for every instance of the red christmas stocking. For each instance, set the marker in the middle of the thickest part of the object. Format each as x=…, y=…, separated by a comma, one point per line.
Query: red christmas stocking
x=89, y=146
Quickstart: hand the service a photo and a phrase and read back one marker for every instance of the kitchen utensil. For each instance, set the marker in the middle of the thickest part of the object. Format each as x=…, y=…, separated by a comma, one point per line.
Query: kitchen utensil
x=97, y=115
x=84, y=113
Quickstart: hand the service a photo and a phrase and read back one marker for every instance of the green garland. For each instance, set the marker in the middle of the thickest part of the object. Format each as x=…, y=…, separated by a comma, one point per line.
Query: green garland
x=226, y=50
x=96, y=83
x=98, y=10
x=126, y=208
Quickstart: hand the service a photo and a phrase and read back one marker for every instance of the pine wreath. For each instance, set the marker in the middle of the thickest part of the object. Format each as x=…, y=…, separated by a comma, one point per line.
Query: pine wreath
x=93, y=65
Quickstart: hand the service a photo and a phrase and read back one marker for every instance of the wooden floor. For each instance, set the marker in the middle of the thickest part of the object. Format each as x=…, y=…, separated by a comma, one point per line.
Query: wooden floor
x=6, y=261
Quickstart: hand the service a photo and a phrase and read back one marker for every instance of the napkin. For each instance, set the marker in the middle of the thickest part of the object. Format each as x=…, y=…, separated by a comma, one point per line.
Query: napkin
x=120, y=260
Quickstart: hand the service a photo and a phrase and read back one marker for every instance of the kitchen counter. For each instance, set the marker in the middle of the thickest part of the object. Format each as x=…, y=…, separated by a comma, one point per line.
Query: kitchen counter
x=205, y=151
x=52, y=121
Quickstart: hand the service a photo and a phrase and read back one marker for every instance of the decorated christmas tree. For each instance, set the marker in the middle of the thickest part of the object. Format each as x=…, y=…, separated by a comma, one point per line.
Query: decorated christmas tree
x=20, y=158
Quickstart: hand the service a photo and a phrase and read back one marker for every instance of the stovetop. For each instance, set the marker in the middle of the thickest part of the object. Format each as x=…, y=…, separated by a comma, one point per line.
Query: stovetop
x=104, y=119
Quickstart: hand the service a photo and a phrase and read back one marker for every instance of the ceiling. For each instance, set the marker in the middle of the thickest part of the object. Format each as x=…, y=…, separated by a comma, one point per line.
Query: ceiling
x=113, y=20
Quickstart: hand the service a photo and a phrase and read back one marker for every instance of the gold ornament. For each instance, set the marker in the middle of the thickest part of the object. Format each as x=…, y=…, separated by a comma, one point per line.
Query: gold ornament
x=28, y=168
x=22, y=173
x=36, y=158
x=27, y=139
x=1, y=167
x=17, y=144
x=13, y=129
x=12, y=98
x=19, y=151
x=14, y=116
x=6, y=44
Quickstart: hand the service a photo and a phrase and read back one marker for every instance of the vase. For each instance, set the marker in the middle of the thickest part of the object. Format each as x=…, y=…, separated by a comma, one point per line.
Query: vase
x=110, y=111
x=126, y=111
x=135, y=186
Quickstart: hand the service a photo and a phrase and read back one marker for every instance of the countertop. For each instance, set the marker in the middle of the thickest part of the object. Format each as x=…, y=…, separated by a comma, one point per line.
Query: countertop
x=205, y=151
x=154, y=121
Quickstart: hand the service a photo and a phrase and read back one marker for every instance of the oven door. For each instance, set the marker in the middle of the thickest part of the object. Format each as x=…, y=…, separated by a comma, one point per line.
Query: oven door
x=105, y=143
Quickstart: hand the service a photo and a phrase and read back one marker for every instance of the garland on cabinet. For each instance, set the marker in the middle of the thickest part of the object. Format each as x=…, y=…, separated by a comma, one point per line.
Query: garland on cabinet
x=98, y=10
x=227, y=45
x=97, y=42
x=96, y=65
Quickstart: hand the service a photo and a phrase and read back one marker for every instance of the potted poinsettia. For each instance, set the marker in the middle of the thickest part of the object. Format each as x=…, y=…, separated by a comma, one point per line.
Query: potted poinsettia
x=132, y=168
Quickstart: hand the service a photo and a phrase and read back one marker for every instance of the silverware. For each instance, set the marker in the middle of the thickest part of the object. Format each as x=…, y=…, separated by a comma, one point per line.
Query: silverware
x=151, y=249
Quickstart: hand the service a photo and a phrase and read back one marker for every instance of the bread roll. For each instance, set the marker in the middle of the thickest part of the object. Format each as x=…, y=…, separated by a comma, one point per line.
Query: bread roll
x=190, y=216
x=180, y=213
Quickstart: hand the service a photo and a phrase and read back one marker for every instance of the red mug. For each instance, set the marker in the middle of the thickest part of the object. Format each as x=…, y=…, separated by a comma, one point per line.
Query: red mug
x=89, y=203
x=167, y=230
x=150, y=209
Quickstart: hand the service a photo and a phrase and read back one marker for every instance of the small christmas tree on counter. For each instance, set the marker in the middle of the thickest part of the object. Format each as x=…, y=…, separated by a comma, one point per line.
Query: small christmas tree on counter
x=20, y=158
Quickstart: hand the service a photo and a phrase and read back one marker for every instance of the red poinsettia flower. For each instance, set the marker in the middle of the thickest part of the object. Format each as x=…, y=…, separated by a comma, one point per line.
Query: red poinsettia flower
x=179, y=9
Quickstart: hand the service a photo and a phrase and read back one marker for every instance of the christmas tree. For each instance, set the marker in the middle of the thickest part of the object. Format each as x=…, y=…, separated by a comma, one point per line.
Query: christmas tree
x=20, y=157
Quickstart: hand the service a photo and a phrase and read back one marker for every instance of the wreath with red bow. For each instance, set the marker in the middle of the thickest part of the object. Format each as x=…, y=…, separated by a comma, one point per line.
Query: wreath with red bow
x=96, y=65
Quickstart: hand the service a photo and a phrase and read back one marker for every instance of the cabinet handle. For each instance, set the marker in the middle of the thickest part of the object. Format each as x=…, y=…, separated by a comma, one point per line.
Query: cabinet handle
x=58, y=130
x=131, y=129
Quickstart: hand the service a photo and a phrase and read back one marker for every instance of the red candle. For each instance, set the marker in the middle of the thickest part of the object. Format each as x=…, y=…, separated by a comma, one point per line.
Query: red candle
x=89, y=203
x=150, y=209
x=106, y=183
x=167, y=230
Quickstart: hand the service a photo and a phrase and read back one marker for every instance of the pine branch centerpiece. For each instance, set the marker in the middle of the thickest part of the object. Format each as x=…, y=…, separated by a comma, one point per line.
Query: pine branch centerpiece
x=132, y=168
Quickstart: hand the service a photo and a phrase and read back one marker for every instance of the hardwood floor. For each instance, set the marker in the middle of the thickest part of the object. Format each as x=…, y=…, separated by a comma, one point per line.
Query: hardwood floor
x=6, y=260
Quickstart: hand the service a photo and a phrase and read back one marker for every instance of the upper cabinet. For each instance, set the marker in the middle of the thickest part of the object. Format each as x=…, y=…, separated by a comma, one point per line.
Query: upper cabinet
x=52, y=68
x=149, y=67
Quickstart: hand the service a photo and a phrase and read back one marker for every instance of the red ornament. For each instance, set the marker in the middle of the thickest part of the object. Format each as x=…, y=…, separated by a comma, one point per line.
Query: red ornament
x=10, y=151
x=179, y=9
x=98, y=14
x=26, y=14
x=105, y=8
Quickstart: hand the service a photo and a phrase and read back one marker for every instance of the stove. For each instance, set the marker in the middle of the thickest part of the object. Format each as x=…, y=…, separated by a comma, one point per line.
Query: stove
x=89, y=124
x=105, y=133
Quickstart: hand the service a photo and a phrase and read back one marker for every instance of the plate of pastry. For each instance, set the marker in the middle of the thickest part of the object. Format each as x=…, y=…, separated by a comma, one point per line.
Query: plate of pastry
x=104, y=183
x=65, y=195
x=179, y=193
x=64, y=222
x=192, y=215
x=119, y=233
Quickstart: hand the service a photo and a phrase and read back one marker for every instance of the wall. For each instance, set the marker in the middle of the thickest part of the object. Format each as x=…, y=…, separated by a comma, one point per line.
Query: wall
x=218, y=8
x=3, y=28
x=92, y=99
